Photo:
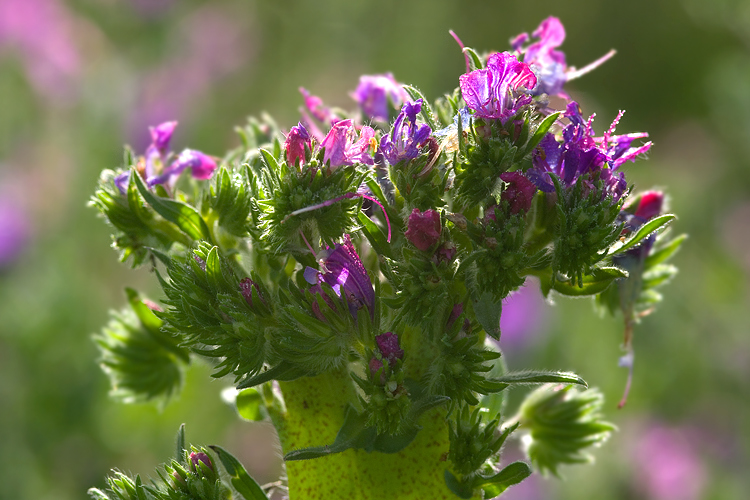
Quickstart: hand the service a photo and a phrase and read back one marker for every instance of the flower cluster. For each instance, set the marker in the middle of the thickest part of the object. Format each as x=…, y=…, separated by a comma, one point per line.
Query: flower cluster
x=362, y=264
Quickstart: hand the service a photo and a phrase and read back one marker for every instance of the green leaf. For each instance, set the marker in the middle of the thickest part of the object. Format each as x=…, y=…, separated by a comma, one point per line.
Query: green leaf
x=283, y=371
x=661, y=254
x=97, y=494
x=540, y=377
x=183, y=216
x=593, y=283
x=180, y=445
x=250, y=405
x=426, y=108
x=510, y=475
x=374, y=235
x=540, y=132
x=488, y=311
x=353, y=434
x=655, y=224
x=241, y=480
x=462, y=490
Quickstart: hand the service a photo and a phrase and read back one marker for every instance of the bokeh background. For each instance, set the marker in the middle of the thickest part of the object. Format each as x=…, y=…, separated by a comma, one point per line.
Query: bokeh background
x=78, y=78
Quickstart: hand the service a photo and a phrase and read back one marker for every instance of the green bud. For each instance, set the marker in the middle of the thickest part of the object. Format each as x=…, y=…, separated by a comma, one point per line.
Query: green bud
x=562, y=425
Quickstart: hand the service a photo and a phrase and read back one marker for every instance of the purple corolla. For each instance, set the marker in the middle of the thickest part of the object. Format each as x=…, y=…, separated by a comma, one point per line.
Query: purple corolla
x=342, y=268
x=405, y=139
x=342, y=149
x=493, y=92
x=423, y=229
x=200, y=164
x=373, y=93
x=581, y=153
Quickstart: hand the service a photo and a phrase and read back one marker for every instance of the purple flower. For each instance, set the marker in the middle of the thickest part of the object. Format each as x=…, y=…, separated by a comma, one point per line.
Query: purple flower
x=389, y=348
x=519, y=192
x=491, y=92
x=668, y=465
x=373, y=92
x=581, y=153
x=343, y=270
x=404, y=141
x=14, y=231
x=423, y=229
x=549, y=64
x=297, y=142
x=200, y=164
x=158, y=150
x=340, y=148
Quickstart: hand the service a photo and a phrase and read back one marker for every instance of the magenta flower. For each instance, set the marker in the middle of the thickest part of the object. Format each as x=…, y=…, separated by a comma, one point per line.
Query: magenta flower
x=549, y=64
x=200, y=164
x=519, y=192
x=297, y=142
x=373, y=92
x=343, y=270
x=404, y=141
x=340, y=148
x=423, y=229
x=492, y=92
x=158, y=150
x=581, y=153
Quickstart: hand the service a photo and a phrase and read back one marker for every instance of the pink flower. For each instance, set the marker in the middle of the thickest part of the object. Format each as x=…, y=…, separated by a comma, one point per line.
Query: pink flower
x=423, y=229
x=341, y=149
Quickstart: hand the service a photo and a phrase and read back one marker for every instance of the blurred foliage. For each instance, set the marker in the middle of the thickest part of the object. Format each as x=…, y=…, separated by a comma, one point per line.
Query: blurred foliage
x=682, y=72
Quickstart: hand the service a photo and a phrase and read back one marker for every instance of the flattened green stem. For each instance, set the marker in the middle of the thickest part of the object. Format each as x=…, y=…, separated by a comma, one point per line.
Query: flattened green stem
x=314, y=414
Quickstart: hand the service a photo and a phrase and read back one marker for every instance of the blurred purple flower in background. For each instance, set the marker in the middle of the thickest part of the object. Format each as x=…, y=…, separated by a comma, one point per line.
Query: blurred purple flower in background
x=667, y=464
x=213, y=44
x=15, y=232
x=524, y=317
x=373, y=93
x=42, y=32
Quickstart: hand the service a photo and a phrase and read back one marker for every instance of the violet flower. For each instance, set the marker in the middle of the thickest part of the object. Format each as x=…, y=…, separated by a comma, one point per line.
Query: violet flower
x=581, y=153
x=549, y=64
x=373, y=92
x=343, y=270
x=492, y=92
x=297, y=142
x=404, y=141
x=423, y=229
x=341, y=149
x=156, y=154
x=200, y=164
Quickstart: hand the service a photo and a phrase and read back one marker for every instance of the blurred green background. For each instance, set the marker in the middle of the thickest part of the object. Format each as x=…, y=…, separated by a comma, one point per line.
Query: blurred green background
x=78, y=78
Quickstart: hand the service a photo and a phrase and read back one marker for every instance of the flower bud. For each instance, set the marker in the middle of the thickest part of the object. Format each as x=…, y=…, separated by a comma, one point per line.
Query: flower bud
x=423, y=229
x=195, y=458
x=297, y=142
x=519, y=192
x=389, y=348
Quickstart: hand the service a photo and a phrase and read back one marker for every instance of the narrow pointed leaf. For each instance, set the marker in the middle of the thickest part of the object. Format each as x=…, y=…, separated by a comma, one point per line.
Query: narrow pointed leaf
x=654, y=224
x=241, y=480
x=183, y=216
x=594, y=283
x=541, y=377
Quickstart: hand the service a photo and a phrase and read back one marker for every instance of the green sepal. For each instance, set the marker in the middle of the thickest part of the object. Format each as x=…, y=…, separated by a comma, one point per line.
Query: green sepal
x=512, y=474
x=475, y=61
x=250, y=405
x=488, y=311
x=153, y=325
x=655, y=224
x=180, y=445
x=415, y=94
x=240, y=479
x=180, y=214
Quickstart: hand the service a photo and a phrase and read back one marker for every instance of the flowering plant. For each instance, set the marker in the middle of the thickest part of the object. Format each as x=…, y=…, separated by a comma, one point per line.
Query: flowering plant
x=351, y=282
